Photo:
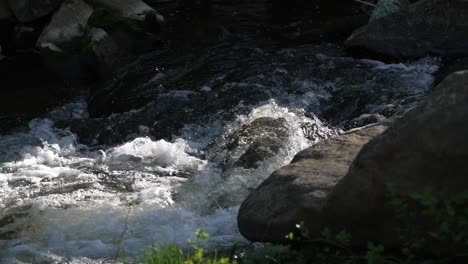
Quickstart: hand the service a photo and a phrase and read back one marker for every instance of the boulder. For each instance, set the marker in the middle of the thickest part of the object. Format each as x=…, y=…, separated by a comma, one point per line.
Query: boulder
x=131, y=33
x=417, y=31
x=66, y=26
x=427, y=147
x=5, y=12
x=30, y=10
x=135, y=10
x=388, y=7
x=298, y=192
x=25, y=37
x=101, y=52
x=61, y=41
x=315, y=21
x=257, y=141
x=6, y=23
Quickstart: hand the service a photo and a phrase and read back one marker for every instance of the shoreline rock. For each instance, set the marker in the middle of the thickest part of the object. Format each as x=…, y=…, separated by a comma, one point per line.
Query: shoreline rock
x=298, y=192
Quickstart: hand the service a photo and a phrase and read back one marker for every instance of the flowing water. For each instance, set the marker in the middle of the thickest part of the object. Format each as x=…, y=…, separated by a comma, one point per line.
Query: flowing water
x=63, y=201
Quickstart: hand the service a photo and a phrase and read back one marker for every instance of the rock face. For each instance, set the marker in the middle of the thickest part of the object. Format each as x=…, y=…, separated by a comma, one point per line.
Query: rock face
x=428, y=27
x=30, y=10
x=427, y=147
x=298, y=192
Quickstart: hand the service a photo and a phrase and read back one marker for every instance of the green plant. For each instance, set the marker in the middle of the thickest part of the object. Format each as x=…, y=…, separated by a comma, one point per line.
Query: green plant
x=374, y=253
x=173, y=254
x=431, y=217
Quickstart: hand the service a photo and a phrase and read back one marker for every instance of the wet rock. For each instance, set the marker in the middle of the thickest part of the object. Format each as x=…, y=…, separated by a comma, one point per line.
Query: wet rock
x=298, y=192
x=30, y=10
x=417, y=31
x=264, y=137
x=388, y=7
x=60, y=42
x=427, y=147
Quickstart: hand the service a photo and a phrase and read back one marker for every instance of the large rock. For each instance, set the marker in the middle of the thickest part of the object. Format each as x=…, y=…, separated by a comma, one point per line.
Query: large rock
x=428, y=27
x=61, y=41
x=136, y=10
x=427, y=147
x=315, y=21
x=298, y=192
x=5, y=12
x=388, y=7
x=66, y=26
x=30, y=10
x=6, y=23
x=101, y=52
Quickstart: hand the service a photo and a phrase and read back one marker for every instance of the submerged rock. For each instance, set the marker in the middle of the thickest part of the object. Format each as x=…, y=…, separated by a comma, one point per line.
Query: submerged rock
x=298, y=192
x=428, y=27
x=264, y=138
x=427, y=147
x=30, y=10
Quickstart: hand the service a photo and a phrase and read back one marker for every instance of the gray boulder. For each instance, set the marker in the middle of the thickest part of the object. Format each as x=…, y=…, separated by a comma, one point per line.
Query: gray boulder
x=427, y=147
x=387, y=7
x=428, y=27
x=66, y=27
x=60, y=43
x=6, y=23
x=30, y=10
x=101, y=52
x=135, y=10
x=298, y=192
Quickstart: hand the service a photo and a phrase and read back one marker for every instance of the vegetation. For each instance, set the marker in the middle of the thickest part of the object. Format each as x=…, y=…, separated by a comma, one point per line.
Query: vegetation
x=445, y=225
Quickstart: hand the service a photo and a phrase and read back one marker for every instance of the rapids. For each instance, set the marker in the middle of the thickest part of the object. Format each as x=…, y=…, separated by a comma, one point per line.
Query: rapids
x=64, y=201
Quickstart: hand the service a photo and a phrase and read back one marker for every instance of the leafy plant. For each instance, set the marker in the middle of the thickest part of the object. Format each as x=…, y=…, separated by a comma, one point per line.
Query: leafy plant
x=374, y=253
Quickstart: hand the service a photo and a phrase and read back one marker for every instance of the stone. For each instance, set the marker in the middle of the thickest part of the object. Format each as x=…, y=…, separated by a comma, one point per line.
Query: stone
x=428, y=27
x=388, y=7
x=60, y=42
x=101, y=52
x=136, y=10
x=30, y=10
x=66, y=27
x=6, y=24
x=5, y=12
x=298, y=192
x=264, y=137
x=427, y=147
